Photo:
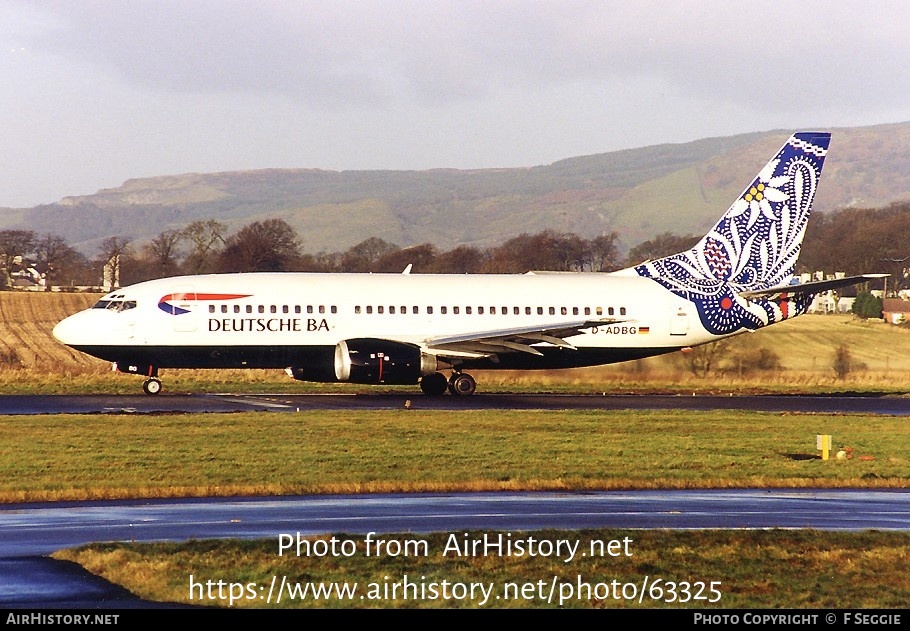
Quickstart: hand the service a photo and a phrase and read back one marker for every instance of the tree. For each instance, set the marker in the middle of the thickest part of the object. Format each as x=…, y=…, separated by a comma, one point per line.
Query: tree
x=112, y=250
x=842, y=362
x=420, y=256
x=163, y=250
x=662, y=245
x=360, y=257
x=14, y=244
x=271, y=245
x=867, y=305
x=205, y=238
x=53, y=254
x=462, y=260
x=701, y=360
x=604, y=253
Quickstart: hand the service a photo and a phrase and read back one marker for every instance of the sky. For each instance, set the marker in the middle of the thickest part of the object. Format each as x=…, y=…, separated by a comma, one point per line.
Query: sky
x=95, y=92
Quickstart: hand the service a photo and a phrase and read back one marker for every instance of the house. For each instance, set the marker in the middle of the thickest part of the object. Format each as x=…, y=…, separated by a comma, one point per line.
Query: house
x=895, y=310
x=831, y=301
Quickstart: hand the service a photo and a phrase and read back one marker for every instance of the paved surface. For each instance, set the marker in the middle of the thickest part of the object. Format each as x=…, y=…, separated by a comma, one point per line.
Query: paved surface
x=176, y=403
x=28, y=531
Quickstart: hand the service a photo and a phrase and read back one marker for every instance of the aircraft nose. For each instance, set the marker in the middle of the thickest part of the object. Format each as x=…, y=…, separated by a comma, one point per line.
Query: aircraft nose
x=69, y=330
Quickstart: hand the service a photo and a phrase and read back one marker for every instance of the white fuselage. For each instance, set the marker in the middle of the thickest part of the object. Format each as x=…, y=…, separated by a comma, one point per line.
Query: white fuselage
x=211, y=314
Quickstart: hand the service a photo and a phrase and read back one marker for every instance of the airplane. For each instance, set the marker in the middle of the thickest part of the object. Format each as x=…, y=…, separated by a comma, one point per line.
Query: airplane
x=407, y=328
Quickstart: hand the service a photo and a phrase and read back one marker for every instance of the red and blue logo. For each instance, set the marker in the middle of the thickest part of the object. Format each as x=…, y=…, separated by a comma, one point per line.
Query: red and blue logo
x=165, y=305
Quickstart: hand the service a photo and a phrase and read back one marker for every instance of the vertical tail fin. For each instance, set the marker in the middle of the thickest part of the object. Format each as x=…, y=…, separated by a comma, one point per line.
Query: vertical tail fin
x=755, y=244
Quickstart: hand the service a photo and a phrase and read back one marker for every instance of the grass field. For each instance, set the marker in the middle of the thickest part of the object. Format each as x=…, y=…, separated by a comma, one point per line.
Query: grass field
x=747, y=569
x=108, y=456
x=59, y=457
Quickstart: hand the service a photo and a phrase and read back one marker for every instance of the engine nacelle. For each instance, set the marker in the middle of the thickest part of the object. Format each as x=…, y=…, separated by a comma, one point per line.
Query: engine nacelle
x=370, y=360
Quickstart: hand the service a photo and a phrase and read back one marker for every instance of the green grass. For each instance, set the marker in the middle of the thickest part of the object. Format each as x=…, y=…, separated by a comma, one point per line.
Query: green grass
x=112, y=456
x=749, y=569
x=119, y=456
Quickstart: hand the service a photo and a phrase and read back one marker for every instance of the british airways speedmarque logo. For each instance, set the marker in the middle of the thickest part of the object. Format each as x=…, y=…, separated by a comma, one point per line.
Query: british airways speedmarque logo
x=170, y=309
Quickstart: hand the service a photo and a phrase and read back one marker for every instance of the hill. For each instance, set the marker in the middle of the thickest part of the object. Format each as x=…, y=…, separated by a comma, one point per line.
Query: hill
x=639, y=193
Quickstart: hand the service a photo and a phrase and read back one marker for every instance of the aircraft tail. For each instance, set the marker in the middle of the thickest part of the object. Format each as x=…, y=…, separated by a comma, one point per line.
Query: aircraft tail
x=754, y=246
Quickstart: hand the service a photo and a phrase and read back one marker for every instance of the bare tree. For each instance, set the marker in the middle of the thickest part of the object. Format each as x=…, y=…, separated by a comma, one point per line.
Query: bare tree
x=13, y=244
x=112, y=250
x=53, y=253
x=205, y=237
x=163, y=252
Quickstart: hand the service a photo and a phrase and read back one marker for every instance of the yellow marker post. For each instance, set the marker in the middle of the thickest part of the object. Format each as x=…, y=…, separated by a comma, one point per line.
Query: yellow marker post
x=823, y=442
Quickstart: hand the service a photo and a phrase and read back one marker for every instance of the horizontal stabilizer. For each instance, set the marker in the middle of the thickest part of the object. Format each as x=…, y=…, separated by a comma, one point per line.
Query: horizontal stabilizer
x=814, y=287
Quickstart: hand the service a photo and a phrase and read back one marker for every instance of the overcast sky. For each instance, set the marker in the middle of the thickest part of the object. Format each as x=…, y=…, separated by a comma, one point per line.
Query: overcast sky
x=95, y=92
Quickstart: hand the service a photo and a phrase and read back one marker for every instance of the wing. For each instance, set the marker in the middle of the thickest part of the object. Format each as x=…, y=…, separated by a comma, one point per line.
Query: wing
x=514, y=340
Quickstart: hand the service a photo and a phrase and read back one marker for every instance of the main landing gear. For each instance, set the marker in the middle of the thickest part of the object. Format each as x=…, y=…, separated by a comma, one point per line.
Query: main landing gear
x=460, y=384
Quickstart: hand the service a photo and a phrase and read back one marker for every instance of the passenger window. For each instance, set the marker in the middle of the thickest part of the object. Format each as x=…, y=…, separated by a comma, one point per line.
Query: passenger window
x=480, y=311
x=456, y=310
x=515, y=310
x=236, y=308
x=211, y=308
x=552, y=310
x=392, y=310
x=467, y=310
x=309, y=308
x=380, y=309
x=527, y=310
x=224, y=308
x=600, y=311
x=297, y=309
x=622, y=311
x=334, y=309
x=564, y=311
x=587, y=310
x=370, y=309
x=610, y=311
x=261, y=308
x=430, y=310
x=322, y=309
x=273, y=309
x=574, y=310
x=539, y=310
x=442, y=310
x=357, y=309
x=285, y=309
x=415, y=310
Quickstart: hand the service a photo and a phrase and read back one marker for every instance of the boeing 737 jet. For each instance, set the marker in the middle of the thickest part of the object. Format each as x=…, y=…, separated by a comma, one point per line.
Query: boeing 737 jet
x=408, y=328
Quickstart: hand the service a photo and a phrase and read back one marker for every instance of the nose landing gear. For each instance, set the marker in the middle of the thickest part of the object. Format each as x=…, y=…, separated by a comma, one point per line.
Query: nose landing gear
x=152, y=385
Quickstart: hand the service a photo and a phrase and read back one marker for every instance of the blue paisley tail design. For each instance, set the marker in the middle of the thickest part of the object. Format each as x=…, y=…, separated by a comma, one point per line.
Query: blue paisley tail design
x=754, y=246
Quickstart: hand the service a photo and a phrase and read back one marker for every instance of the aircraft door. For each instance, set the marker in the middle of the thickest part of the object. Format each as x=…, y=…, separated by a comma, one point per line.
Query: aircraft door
x=679, y=318
x=183, y=309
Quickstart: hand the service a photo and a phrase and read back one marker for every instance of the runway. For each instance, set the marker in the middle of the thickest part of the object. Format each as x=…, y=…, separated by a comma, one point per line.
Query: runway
x=30, y=530
x=214, y=403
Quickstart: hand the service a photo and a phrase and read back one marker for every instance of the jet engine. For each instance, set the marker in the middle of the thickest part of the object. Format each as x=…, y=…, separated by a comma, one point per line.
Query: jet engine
x=372, y=360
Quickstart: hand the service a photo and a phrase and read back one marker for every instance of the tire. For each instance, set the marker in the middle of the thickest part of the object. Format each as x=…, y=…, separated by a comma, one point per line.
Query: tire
x=434, y=385
x=462, y=385
x=152, y=386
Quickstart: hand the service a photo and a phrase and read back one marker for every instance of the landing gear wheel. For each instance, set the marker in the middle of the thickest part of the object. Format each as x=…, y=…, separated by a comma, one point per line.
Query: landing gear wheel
x=462, y=384
x=434, y=385
x=152, y=385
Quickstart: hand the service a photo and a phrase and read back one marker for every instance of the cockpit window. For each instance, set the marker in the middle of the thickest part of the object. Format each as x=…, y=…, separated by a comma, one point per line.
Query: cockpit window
x=117, y=305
